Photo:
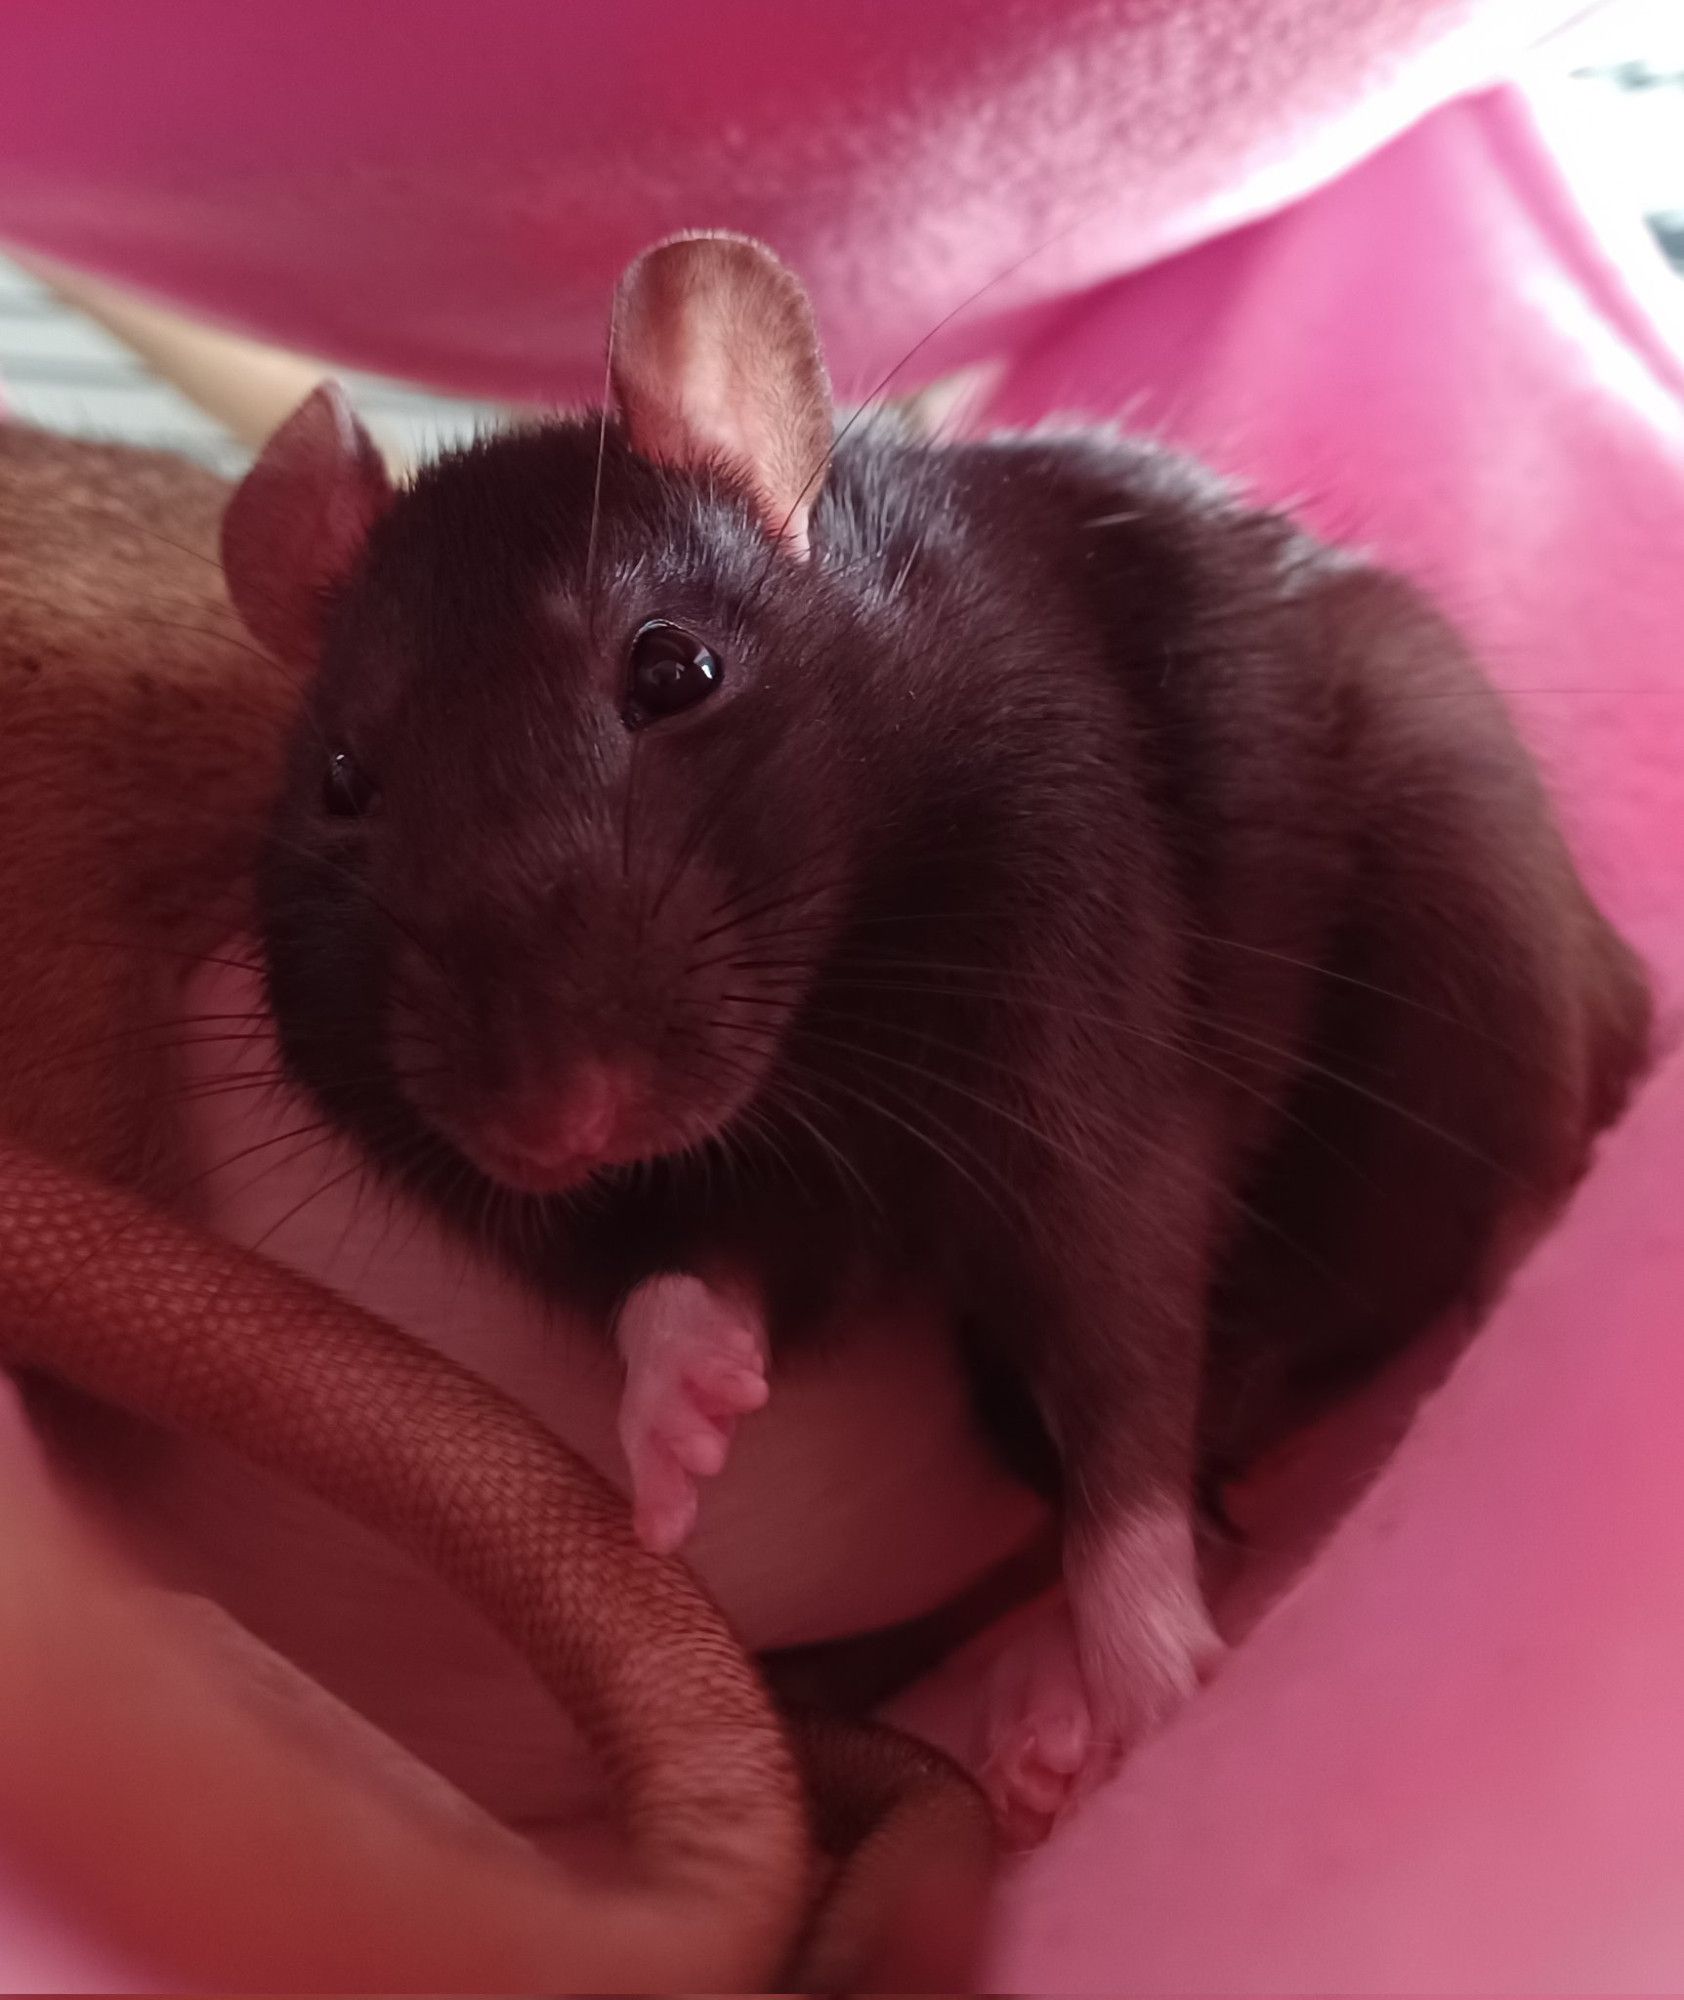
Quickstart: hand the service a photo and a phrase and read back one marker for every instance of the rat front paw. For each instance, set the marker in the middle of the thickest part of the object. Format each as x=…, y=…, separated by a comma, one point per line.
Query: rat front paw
x=695, y=1363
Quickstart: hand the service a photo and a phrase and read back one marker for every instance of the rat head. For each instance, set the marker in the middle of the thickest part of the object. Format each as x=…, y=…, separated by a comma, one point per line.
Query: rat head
x=554, y=868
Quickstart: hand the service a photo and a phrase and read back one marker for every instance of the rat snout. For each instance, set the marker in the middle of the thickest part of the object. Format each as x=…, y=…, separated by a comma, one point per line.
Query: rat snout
x=555, y=1137
x=604, y=1028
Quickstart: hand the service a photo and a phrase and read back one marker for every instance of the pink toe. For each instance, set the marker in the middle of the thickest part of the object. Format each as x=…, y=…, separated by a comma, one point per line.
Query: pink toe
x=1026, y=1800
x=694, y=1365
x=748, y=1389
x=663, y=1499
x=729, y=1391
x=701, y=1451
x=663, y=1529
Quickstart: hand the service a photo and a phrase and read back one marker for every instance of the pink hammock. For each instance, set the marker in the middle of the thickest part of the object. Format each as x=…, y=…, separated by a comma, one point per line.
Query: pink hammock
x=1451, y=1755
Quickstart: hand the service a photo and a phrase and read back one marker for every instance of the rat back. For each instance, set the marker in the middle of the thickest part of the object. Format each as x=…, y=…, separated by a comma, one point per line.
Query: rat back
x=1407, y=1015
x=1419, y=1017
x=140, y=744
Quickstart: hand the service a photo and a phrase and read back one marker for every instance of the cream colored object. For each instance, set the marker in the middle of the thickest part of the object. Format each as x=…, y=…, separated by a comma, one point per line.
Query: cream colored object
x=240, y=384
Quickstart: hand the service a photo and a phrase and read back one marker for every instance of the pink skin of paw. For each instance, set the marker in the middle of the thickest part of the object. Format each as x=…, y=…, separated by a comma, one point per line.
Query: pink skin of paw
x=1037, y=1729
x=1083, y=1675
x=1080, y=1676
x=695, y=1362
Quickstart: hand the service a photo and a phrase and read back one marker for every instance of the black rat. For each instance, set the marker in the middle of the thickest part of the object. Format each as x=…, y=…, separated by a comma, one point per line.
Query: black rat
x=734, y=870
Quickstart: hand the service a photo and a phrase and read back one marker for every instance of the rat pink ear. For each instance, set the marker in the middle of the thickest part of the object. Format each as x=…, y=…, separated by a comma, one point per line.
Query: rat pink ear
x=298, y=520
x=716, y=357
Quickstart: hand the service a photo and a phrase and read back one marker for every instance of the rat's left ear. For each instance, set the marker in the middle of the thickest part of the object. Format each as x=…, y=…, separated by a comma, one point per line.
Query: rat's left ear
x=295, y=528
x=716, y=357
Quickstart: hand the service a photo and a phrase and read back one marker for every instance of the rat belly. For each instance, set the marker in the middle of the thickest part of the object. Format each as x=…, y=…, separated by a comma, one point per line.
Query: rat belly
x=860, y=1496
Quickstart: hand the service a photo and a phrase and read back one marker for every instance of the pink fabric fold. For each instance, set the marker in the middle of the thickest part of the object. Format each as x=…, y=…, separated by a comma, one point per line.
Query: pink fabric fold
x=450, y=193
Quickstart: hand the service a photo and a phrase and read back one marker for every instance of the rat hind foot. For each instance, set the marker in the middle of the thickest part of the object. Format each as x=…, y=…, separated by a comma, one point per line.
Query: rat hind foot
x=1037, y=1731
x=1087, y=1676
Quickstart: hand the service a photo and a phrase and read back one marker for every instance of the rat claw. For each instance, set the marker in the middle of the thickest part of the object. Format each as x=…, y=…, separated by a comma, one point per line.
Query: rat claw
x=701, y=1452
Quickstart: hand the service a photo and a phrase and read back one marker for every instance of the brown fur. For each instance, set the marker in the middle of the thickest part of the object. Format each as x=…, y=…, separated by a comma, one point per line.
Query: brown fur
x=140, y=734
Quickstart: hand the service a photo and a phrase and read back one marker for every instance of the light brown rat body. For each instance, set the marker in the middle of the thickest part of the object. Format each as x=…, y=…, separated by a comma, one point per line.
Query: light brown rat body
x=141, y=735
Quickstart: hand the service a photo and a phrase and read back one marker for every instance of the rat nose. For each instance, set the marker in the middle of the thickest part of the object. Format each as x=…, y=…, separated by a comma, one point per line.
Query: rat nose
x=554, y=1135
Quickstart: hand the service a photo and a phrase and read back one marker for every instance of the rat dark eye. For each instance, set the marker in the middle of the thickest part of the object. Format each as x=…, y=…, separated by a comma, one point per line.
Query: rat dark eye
x=347, y=792
x=671, y=670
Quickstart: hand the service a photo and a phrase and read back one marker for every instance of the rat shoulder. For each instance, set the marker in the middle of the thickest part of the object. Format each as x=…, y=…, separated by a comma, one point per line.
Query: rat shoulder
x=1078, y=500
x=140, y=724
x=85, y=505
x=110, y=580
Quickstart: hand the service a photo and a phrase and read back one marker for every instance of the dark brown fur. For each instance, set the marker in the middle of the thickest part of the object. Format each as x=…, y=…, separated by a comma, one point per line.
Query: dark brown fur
x=1140, y=925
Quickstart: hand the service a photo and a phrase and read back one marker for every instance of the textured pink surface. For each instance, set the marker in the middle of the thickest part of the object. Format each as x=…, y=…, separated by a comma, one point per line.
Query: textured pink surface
x=1453, y=1756
x=451, y=191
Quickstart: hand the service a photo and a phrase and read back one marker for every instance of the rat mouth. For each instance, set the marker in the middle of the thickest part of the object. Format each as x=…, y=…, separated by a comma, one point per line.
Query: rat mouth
x=525, y=1174
x=544, y=1139
x=549, y=1120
